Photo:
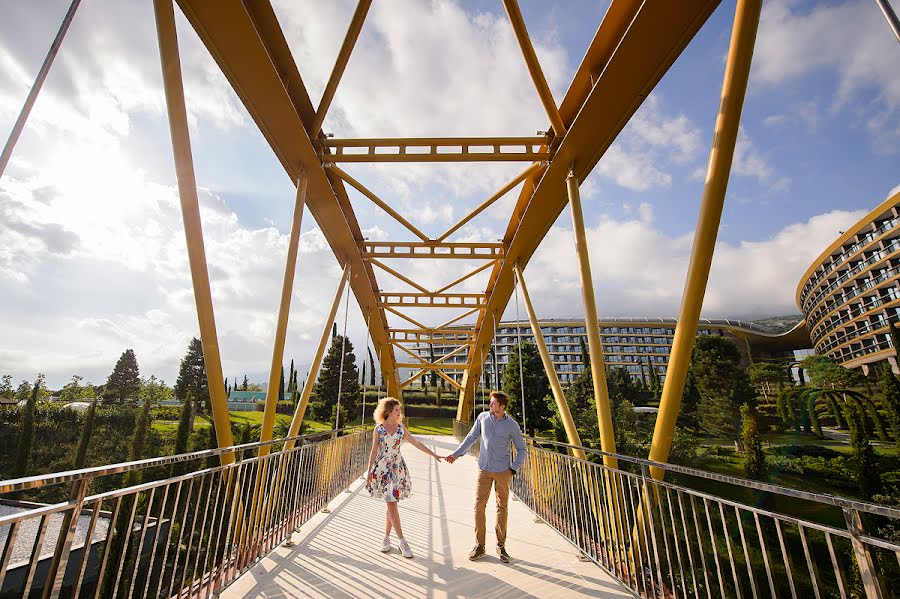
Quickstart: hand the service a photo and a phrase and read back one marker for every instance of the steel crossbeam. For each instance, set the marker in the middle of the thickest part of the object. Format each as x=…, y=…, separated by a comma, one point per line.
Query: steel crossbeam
x=415, y=249
x=432, y=300
x=437, y=149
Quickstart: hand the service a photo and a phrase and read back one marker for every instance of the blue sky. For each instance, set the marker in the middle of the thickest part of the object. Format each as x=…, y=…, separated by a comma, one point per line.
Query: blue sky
x=92, y=251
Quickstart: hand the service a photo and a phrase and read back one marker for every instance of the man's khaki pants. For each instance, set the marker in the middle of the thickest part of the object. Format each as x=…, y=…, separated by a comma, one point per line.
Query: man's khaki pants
x=500, y=481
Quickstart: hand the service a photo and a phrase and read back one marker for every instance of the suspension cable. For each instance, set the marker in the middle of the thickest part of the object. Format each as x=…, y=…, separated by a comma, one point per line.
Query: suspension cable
x=521, y=367
x=362, y=419
x=337, y=417
x=36, y=88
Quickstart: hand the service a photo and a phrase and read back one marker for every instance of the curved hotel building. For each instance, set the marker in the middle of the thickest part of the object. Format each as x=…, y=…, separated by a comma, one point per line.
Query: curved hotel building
x=851, y=292
x=635, y=344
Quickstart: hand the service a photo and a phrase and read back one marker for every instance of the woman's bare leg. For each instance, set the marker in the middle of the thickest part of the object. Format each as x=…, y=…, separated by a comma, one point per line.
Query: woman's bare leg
x=387, y=521
x=394, y=515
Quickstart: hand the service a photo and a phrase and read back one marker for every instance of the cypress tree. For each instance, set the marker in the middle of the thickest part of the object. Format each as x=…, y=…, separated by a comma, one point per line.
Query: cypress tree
x=890, y=397
x=868, y=478
x=245, y=384
x=26, y=429
x=371, y=368
x=192, y=376
x=755, y=464
x=125, y=379
x=86, y=431
x=141, y=431
x=185, y=425
x=585, y=355
x=281, y=386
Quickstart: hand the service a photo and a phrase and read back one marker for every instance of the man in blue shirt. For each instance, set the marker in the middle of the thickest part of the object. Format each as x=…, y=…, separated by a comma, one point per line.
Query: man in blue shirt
x=497, y=430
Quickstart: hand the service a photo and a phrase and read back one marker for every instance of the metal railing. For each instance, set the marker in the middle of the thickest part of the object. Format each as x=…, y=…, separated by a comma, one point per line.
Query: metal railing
x=185, y=535
x=700, y=534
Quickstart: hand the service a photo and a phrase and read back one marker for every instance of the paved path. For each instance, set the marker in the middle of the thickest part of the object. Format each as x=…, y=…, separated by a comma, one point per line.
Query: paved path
x=337, y=554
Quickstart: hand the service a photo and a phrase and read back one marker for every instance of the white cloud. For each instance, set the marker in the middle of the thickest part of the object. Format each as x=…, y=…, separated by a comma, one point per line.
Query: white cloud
x=640, y=271
x=850, y=39
x=650, y=146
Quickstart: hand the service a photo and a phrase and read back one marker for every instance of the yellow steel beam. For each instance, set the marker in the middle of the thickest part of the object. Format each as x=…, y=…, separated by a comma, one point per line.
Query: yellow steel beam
x=561, y=405
x=190, y=213
x=444, y=325
x=379, y=202
x=465, y=276
x=431, y=300
x=284, y=309
x=734, y=87
x=400, y=276
x=403, y=316
x=300, y=410
x=633, y=48
x=528, y=172
x=246, y=41
x=430, y=365
x=534, y=67
x=433, y=250
x=437, y=149
x=356, y=23
x=595, y=349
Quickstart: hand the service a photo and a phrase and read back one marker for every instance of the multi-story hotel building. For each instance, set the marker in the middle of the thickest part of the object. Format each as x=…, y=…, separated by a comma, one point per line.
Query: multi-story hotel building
x=635, y=344
x=851, y=291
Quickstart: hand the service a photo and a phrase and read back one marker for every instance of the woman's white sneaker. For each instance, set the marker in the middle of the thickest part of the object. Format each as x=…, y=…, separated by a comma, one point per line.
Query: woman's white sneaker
x=405, y=548
x=386, y=545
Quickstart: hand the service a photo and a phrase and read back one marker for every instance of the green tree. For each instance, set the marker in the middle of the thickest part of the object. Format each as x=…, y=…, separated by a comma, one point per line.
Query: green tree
x=150, y=393
x=371, y=367
x=25, y=440
x=192, y=377
x=245, y=384
x=183, y=434
x=337, y=370
x=281, y=386
x=827, y=372
x=688, y=419
x=87, y=431
x=585, y=355
x=23, y=391
x=868, y=478
x=536, y=388
x=722, y=385
x=72, y=391
x=765, y=375
x=434, y=375
x=125, y=379
x=6, y=388
x=755, y=459
x=654, y=385
x=890, y=399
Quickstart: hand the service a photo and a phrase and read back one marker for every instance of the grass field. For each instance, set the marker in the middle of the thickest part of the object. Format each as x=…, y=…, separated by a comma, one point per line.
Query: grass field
x=417, y=426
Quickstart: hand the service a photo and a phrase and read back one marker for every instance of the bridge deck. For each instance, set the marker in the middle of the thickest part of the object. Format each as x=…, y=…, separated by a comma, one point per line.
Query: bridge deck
x=337, y=554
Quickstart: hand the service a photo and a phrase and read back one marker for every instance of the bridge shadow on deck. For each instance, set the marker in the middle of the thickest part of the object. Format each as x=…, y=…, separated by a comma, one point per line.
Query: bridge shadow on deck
x=337, y=554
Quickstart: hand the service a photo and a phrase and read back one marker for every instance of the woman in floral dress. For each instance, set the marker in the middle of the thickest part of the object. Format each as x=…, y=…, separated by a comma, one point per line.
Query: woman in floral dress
x=388, y=478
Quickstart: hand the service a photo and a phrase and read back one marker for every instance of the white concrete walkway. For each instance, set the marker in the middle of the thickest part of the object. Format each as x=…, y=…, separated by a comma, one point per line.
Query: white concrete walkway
x=337, y=554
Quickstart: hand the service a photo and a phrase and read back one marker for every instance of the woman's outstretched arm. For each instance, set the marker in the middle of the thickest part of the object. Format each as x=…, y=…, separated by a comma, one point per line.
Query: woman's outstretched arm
x=418, y=444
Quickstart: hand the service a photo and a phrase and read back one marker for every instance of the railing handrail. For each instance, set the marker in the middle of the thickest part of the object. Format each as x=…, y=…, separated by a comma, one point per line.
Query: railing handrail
x=47, y=480
x=833, y=500
x=825, y=498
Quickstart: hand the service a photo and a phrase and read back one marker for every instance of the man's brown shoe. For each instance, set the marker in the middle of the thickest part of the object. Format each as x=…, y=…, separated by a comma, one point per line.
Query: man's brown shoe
x=504, y=556
x=477, y=552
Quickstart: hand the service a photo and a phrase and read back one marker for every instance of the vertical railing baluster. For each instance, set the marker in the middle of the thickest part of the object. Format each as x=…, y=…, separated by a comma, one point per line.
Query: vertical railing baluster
x=787, y=558
x=734, y=574
x=749, y=562
x=763, y=548
x=810, y=563
x=162, y=569
x=838, y=571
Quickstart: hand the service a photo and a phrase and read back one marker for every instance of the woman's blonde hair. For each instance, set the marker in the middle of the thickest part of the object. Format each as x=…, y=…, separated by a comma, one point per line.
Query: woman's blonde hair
x=384, y=408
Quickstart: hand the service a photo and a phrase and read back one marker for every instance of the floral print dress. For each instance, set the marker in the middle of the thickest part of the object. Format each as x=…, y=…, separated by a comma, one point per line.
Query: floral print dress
x=390, y=477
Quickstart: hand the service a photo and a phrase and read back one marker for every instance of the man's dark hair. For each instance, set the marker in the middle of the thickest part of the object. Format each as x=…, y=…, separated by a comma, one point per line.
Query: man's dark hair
x=501, y=397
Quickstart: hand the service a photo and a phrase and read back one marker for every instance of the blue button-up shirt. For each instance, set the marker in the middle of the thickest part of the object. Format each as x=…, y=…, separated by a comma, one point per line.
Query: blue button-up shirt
x=496, y=435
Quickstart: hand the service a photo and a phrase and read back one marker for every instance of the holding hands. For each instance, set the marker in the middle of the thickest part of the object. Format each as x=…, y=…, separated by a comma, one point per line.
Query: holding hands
x=450, y=458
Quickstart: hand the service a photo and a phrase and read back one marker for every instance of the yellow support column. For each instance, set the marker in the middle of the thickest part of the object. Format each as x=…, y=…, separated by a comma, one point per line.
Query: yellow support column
x=558, y=395
x=595, y=349
x=190, y=213
x=316, y=361
x=257, y=512
x=284, y=309
x=734, y=86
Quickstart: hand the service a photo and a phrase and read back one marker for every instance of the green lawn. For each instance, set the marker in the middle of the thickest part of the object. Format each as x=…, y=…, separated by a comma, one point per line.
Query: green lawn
x=417, y=426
